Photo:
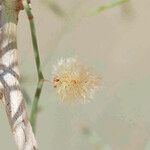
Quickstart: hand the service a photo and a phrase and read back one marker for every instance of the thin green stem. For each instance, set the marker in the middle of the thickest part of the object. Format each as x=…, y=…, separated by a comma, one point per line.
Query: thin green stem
x=110, y=5
x=34, y=109
x=34, y=39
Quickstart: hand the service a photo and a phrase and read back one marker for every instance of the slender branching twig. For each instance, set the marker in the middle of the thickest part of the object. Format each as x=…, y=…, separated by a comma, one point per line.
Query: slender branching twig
x=38, y=65
x=110, y=5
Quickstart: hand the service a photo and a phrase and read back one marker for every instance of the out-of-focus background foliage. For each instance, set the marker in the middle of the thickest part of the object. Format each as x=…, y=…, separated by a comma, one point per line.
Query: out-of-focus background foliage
x=117, y=43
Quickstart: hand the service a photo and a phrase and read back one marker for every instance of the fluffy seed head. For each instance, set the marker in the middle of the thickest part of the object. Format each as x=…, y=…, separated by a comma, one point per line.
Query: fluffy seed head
x=74, y=81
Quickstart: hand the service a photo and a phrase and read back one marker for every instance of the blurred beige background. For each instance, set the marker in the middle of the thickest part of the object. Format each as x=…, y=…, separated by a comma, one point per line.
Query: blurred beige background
x=117, y=43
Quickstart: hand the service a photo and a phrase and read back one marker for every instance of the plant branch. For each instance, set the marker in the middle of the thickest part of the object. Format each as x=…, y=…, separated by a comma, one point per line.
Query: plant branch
x=110, y=5
x=34, y=110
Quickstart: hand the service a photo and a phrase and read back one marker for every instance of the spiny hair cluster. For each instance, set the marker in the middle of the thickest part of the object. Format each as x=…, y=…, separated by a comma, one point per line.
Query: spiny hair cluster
x=74, y=81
